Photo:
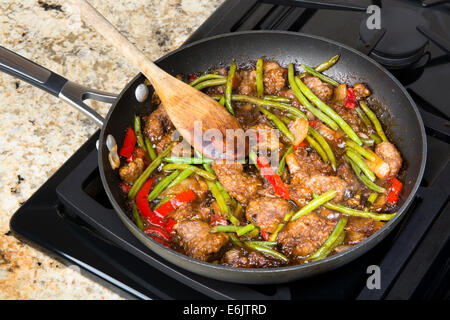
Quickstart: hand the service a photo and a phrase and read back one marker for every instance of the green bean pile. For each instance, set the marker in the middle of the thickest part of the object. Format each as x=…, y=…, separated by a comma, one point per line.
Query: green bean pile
x=327, y=137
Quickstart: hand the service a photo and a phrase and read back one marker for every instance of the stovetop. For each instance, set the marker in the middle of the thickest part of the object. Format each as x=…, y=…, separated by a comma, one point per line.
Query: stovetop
x=70, y=215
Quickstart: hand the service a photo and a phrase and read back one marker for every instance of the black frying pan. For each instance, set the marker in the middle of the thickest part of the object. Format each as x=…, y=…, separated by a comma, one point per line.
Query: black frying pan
x=396, y=109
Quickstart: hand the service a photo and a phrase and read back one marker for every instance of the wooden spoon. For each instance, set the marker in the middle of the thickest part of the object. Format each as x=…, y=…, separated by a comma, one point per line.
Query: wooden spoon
x=184, y=104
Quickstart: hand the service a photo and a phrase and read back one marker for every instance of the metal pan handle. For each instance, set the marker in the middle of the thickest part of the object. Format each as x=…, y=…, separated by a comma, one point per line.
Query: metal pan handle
x=38, y=76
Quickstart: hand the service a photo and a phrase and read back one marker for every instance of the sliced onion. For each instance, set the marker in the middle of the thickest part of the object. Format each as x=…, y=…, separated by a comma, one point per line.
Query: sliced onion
x=113, y=157
x=141, y=92
x=110, y=142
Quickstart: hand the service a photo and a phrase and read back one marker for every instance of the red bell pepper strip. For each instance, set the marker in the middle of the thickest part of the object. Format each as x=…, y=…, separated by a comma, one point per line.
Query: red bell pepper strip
x=144, y=206
x=265, y=235
x=128, y=144
x=174, y=203
x=302, y=144
x=125, y=187
x=394, y=191
x=217, y=219
x=169, y=224
x=350, y=99
x=313, y=123
x=278, y=185
x=158, y=232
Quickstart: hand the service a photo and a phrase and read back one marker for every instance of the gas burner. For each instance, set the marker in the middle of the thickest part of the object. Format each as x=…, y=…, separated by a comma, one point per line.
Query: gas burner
x=402, y=45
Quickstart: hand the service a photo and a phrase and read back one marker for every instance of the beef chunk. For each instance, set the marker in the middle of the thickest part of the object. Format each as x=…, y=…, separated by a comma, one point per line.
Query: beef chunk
x=132, y=170
x=267, y=212
x=267, y=137
x=274, y=77
x=194, y=183
x=350, y=116
x=157, y=124
x=361, y=91
x=241, y=258
x=389, y=153
x=358, y=229
x=239, y=184
x=197, y=241
x=321, y=89
x=304, y=236
x=247, y=82
x=195, y=210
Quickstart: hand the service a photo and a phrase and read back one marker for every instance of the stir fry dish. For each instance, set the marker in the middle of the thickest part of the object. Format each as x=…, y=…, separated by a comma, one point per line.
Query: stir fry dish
x=335, y=181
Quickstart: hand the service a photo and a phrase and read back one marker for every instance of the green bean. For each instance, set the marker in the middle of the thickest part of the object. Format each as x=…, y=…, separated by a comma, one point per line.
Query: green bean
x=286, y=120
x=147, y=172
x=137, y=218
x=183, y=166
x=229, y=87
x=262, y=243
x=161, y=186
x=188, y=160
x=205, y=77
x=183, y=175
x=366, y=154
x=324, y=249
x=363, y=178
x=222, y=101
x=210, y=83
x=225, y=228
x=376, y=123
x=253, y=233
x=282, y=163
x=373, y=196
x=320, y=75
x=150, y=149
x=328, y=111
x=325, y=146
x=376, y=138
x=268, y=103
x=243, y=230
x=368, y=142
x=315, y=203
x=316, y=112
x=164, y=200
x=277, y=99
x=138, y=132
x=359, y=213
x=363, y=117
x=269, y=252
x=224, y=209
x=280, y=226
x=355, y=157
x=324, y=65
x=234, y=239
x=340, y=238
x=278, y=123
x=259, y=78
x=252, y=156
x=318, y=148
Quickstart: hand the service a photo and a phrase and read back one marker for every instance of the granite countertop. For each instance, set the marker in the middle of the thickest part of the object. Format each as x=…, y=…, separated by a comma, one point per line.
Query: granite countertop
x=38, y=132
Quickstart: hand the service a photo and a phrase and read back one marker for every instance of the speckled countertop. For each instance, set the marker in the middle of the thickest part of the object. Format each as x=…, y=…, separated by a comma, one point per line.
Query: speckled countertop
x=38, y=132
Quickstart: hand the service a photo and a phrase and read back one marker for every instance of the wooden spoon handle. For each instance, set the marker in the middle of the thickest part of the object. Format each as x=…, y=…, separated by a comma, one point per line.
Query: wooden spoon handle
x=125, y=47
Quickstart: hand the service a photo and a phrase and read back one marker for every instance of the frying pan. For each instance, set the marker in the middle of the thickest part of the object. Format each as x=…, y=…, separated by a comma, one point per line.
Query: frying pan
x=396, y=108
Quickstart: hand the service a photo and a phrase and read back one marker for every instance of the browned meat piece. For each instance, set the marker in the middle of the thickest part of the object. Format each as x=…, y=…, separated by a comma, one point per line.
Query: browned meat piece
x=319, y=184
x=305, y=235
x=321, y=89
x=361, y=91
x=132, y=170
x=299, y=194
x=195, y=210
x=288, y=93
x=239, y=184
x=247, y=82
x=197, y=241
x=241, y=258
x=157, y=124
x=302, y=164
x=267, y=137
x=389, y=153
x=194, y=183
x=267, y=212
x=358, y=229
x=274, y=77
x=346, y=173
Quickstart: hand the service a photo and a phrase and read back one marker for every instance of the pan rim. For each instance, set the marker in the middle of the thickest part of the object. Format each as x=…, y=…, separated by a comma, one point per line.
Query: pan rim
x=343, y=257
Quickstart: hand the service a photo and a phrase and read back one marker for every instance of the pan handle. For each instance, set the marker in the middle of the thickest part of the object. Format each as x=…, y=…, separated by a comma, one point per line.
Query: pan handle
x=38, y=76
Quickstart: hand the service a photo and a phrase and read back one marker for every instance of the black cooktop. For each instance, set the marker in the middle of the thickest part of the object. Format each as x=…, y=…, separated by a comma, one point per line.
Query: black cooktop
x=70, y=215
